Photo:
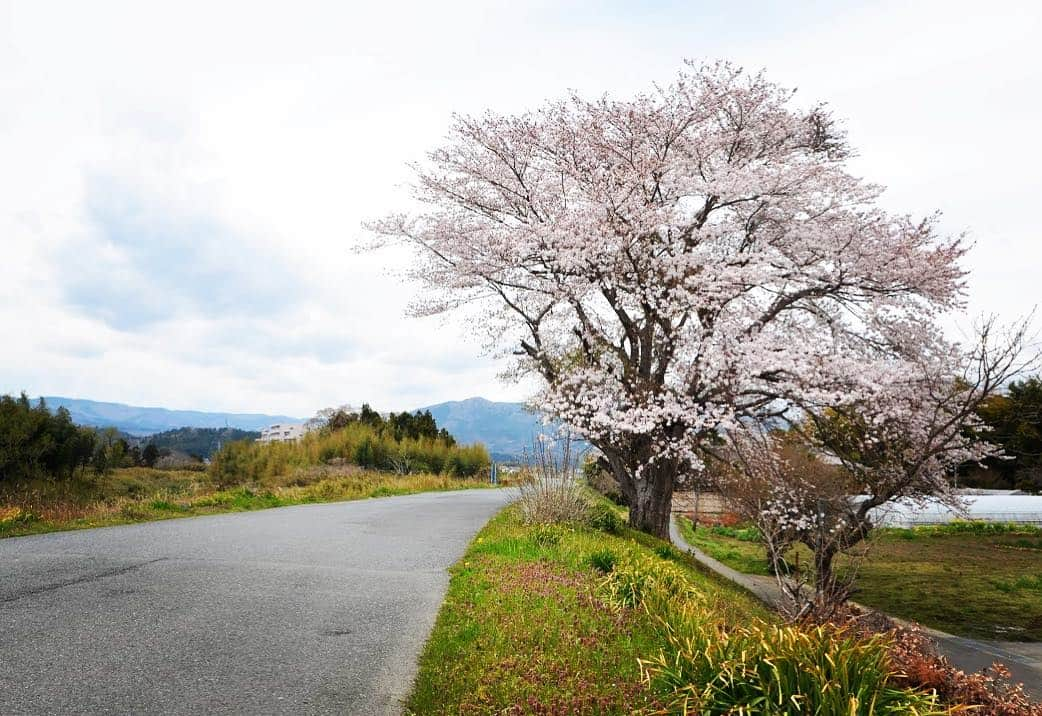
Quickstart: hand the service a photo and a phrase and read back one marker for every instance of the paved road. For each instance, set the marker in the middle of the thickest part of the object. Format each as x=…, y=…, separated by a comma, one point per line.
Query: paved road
x=1023, y=660
x=310, y=609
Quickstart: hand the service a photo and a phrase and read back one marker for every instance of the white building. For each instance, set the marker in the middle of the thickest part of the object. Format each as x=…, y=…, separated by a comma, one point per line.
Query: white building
x=282, y=433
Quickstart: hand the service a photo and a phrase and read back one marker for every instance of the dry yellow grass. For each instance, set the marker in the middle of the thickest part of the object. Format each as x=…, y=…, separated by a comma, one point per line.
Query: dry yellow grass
x=142, y=494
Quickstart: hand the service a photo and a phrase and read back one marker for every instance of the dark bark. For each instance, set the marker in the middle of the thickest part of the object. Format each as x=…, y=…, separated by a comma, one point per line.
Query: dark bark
x=824, y=576
x=650, y=497
x=830, y=591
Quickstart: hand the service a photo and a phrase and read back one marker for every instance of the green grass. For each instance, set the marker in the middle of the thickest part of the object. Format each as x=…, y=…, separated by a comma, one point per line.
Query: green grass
x=981, y=580
x=525, y=628
x=562, y=619
x=741, y=554
x=141, y=494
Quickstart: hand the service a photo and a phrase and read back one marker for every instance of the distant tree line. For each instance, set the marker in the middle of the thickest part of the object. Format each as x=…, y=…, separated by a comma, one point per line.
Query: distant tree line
x=1013, y=421
x=38, y=443
x=397, y=426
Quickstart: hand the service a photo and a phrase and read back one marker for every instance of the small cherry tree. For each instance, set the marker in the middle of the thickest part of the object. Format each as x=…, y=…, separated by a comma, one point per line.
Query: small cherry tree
x=673, y=262
x=822, y=483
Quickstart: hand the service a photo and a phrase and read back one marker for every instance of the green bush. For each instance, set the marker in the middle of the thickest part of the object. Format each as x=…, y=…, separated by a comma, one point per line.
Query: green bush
x=642, y=581
x=773, y=669
x=604, y=518
x=232, y=463
x=546, y=535
x=756, y=668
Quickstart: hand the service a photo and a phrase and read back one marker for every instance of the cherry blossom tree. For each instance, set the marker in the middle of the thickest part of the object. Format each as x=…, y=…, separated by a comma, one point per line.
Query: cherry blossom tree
x=673, y=263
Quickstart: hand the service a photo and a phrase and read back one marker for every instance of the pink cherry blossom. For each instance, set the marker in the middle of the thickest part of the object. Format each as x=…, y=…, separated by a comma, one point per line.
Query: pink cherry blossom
x=677, y=262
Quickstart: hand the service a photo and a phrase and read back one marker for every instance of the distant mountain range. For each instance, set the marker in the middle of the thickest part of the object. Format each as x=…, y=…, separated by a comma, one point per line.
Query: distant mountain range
x=506, y=429
x=138, y=421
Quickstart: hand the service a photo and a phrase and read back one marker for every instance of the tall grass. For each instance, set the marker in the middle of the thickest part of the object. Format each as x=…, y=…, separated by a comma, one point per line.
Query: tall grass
x=755, y=667
x=774, y=669
x=357, y=444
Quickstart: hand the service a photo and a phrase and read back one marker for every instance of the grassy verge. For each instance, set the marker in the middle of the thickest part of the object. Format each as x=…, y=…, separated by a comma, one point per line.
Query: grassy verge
x=972, y=579
x=142, y=494
x=523, y=629
x=568, y=619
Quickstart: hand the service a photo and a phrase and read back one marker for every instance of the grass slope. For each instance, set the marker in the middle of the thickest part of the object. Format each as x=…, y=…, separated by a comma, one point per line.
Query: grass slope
x=524, y=630
x=142, y=494
x=976, y=580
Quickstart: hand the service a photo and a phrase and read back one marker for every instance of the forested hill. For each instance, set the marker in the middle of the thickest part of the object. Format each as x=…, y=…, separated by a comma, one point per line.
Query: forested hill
x=201, y=442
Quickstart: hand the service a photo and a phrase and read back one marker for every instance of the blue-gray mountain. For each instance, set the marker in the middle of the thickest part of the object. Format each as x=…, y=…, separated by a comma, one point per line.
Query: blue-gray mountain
x=506, y=429
x=135, y=420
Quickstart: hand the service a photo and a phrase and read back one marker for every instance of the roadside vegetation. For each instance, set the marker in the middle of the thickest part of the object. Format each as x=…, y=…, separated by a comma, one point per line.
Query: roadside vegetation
x=592, y=617
x=35, y=442
x=58, y=476
x=142, y=494
x=356, y=443
x=992, y=571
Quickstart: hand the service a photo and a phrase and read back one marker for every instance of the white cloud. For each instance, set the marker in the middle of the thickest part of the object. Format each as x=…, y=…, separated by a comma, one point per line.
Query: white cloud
x=257, y=136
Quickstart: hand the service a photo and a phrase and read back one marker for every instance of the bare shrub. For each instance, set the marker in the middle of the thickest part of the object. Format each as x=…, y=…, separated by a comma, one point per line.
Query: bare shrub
x=554, y=492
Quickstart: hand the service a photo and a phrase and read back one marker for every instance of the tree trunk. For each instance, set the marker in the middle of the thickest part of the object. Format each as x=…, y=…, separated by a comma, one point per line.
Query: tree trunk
x=649, y=497
x=829, y=594
x=824, y=578
x=653, y=500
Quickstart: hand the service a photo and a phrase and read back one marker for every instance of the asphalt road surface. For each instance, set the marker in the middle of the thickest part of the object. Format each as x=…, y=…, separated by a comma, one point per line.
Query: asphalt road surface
x=310, y=609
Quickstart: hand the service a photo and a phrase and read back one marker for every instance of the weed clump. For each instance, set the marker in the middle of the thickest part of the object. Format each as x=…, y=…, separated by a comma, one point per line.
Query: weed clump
x=553, y=495
x=546, y=535
x=604, y=560
x=708, y=667
x=604, y=518
x=775, y=669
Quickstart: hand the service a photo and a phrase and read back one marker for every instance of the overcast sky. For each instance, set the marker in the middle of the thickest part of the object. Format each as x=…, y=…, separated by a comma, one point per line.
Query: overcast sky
x=181, y=183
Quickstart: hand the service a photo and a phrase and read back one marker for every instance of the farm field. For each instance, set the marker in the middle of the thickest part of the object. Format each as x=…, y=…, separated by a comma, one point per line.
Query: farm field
x=971, y=579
